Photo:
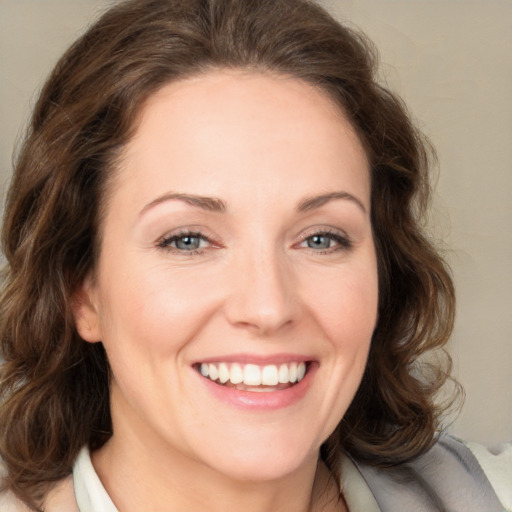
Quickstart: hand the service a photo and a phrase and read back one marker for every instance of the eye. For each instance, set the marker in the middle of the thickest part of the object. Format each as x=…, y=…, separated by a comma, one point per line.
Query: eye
x=185, y=242
x=319, y=242
x=326, y=241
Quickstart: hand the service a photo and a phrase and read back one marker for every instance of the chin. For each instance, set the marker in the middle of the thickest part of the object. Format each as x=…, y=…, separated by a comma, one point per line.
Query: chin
x=261, y=460
x=263, y=468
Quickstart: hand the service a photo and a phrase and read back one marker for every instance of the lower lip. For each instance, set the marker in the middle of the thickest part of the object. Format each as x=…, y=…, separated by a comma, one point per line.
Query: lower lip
x=268, y=400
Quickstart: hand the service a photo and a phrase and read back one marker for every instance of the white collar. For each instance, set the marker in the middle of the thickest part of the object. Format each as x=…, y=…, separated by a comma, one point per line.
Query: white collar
x=91, y=496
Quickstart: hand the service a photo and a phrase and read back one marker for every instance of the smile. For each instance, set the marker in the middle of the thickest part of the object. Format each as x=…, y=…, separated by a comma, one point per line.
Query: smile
x=252, y=377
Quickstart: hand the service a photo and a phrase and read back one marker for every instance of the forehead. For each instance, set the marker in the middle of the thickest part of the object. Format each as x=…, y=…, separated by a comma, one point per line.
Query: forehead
x=249, y=127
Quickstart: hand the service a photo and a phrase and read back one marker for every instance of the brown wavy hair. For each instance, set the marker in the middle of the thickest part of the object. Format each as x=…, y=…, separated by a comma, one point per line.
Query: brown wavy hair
x=54, y=386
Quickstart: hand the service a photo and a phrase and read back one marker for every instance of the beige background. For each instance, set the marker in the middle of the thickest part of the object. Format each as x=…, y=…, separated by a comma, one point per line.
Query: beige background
x=451, y=60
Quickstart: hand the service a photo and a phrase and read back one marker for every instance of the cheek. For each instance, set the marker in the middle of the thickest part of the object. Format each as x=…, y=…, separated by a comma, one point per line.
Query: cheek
x=152, y=308
x=346, y=306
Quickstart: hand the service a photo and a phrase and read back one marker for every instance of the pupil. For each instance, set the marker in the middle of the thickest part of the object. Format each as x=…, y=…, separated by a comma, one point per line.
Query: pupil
x=187, y=242
x=319, y=242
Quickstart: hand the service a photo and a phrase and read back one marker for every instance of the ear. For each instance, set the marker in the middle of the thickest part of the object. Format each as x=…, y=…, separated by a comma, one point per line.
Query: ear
x=84, y=305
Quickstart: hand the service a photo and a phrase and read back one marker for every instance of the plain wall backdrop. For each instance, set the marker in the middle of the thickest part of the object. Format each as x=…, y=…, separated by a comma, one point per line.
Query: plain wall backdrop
x=451, y=60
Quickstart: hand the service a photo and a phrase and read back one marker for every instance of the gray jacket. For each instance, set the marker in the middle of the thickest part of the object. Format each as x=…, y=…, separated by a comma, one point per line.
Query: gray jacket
x=447, y=478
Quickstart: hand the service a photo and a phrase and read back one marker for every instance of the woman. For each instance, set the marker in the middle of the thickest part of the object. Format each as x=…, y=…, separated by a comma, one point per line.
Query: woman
x=217, y=290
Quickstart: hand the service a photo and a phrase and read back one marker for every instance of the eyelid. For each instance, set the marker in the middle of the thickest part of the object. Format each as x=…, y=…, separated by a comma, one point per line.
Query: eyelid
x=340, y=237
x=164, y=241
x=343, y=240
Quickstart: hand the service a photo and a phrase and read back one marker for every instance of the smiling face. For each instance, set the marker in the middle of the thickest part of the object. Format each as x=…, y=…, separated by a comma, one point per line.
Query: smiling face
x=236, y=287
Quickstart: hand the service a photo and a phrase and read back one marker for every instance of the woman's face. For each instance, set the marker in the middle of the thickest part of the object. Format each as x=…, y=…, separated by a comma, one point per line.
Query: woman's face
x=236, y=243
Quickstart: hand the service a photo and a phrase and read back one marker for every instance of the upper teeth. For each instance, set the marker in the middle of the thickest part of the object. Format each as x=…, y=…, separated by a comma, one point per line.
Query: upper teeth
x=254, y=375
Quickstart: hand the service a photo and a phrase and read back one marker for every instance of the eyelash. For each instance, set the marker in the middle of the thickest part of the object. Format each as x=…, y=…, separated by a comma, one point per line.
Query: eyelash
x=166, y=242
x=342, y=241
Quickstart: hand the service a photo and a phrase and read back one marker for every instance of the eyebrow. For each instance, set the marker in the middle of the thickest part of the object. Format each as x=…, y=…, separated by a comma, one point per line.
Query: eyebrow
x=310, y=203
x=211, y=204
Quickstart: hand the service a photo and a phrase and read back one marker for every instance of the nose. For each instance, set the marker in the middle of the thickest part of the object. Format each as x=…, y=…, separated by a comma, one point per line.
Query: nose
x=263, y=294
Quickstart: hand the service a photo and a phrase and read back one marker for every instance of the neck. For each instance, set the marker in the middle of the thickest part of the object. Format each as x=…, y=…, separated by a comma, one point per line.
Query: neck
x=138, y=476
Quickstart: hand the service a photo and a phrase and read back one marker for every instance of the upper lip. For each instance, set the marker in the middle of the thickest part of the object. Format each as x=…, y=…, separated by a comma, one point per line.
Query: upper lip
x=257, y=359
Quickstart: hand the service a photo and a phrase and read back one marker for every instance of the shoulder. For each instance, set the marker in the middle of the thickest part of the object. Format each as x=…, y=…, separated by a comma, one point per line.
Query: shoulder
x=60, y=499
x=452, y=475
x=496, y=463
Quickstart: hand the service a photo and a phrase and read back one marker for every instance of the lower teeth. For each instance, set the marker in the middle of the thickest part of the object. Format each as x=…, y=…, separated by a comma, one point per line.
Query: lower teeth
x=256, y=389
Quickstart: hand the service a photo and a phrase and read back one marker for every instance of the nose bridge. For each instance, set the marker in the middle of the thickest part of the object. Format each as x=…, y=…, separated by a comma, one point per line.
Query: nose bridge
x=262, y=290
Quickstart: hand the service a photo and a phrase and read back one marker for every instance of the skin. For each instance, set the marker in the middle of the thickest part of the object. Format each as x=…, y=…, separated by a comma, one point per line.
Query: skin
x=261, y=144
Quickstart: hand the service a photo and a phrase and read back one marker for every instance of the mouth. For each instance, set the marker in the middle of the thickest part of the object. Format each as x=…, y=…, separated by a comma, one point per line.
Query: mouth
x=254, y=378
